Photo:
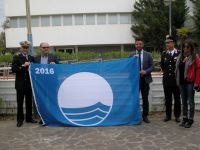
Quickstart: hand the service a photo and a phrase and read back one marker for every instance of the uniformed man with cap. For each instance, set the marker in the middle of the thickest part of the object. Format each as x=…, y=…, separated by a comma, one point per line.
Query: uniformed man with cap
x=168, y=61
x=20, y=65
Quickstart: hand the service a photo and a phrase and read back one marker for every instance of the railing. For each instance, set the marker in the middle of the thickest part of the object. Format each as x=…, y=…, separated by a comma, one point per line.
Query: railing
x=5, y=72
x=156, y=96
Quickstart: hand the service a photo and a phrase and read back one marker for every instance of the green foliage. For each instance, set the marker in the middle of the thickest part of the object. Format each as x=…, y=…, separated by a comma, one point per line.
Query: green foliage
x=2, y=42
x=156, y=60
x=87, y=56
x=65, y=56
x=183, y=31
x=156, y=55
x=115, y=55
x=196, y=19
x=179, y=14
x=6, y=58
x=152, y=20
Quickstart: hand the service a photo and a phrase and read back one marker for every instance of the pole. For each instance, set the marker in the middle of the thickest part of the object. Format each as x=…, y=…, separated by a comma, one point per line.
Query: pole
x=170, y=17
x=29, y=33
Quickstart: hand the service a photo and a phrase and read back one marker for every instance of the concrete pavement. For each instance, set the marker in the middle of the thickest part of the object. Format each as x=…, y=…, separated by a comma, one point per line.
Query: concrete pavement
x=157, y=135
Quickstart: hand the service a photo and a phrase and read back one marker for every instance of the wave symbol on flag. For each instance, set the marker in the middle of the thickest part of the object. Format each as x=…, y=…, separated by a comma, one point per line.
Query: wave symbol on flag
x=85, y=99
x=88, y=115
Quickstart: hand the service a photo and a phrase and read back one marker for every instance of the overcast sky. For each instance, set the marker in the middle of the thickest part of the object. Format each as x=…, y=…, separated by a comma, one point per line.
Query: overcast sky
x=1, y=13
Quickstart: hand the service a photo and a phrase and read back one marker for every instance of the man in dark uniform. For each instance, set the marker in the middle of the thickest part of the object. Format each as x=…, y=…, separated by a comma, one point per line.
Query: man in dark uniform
x=20, y=66
x=146, y=67
x=168, y=61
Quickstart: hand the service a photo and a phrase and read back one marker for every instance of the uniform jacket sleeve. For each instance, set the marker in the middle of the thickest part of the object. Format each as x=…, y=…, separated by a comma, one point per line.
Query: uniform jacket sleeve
x=17, y=65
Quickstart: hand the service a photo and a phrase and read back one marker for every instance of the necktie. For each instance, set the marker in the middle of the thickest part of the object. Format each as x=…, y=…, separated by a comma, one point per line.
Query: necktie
x=140, y=62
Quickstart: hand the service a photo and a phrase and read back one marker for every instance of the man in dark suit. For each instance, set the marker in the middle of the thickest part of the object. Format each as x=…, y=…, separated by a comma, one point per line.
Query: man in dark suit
x=168, y=62
x=146, y=66
x=45, y=57
x=20, y=65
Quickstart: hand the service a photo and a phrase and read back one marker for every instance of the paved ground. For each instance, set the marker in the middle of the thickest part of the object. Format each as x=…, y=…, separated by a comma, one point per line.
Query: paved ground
x=157, y=135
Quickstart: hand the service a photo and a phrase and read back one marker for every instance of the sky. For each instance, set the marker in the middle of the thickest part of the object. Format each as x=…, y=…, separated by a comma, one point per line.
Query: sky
x=1, y=13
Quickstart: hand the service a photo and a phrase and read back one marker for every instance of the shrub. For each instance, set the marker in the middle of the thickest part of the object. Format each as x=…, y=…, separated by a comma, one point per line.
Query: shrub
x=6, y=58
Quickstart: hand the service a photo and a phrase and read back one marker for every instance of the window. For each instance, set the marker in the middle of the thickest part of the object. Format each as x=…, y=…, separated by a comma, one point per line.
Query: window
x=67, y=20
x=22, y=22
x=56, y=20
x=66, y=50
x=125, y=19
x=45, y=21
x=112, y=18
x=78, y=19
x=35, y=21
x=90, y=19
x=101, y=19
x=13, y=22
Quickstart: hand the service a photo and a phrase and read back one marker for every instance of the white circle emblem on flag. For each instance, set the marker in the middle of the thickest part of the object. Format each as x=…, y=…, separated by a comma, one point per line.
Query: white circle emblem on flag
x=85, y=99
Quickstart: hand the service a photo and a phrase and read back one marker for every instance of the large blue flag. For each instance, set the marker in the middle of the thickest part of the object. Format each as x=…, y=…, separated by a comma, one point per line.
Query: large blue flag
x=89, y=94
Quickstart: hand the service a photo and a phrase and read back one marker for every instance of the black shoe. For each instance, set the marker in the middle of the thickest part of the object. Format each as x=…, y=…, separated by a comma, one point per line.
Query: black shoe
x=146, y=120
x=31, y=121
x=40, y=122
x=167, y=119
x=19, y=123
x=189, y=123
x=177, y=120
x=184, y=121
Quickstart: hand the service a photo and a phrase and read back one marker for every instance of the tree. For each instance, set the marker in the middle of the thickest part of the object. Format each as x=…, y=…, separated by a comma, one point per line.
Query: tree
x=179, y=14
x=196, y=19
x=2, y=42
x=152, y=20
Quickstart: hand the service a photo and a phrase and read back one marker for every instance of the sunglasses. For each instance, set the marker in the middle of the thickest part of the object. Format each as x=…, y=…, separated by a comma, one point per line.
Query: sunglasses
x=186, y=46
x=25, y=47
x=45, y=47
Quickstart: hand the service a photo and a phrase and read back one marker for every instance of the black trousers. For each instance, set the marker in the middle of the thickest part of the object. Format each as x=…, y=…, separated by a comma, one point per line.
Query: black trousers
x=169, y=91
x=21, y=94
x=144, y=89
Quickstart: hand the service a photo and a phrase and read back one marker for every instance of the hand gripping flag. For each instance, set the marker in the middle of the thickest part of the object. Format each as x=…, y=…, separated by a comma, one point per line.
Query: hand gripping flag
x=88, y=94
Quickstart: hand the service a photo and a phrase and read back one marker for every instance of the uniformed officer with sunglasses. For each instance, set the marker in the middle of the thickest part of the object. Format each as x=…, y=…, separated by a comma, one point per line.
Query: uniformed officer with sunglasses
x=20, y=65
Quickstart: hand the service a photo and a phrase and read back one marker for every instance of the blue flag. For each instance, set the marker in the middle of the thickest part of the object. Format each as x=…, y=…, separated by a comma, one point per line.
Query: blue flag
x=88, y=94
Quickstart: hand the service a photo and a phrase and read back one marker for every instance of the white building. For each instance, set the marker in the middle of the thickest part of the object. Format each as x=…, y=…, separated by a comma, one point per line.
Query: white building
x=72, y=25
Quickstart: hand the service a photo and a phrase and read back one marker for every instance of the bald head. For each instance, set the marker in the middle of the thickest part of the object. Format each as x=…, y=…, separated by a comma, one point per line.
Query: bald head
x=44, y=47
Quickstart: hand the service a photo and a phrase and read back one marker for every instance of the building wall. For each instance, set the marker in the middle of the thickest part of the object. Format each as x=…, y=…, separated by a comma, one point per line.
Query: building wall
x=105, y=34
x=74, y=35
x=39, y=7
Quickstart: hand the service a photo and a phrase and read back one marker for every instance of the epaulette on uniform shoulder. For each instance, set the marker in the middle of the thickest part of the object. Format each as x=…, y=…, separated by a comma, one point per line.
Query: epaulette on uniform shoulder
x=17, y=54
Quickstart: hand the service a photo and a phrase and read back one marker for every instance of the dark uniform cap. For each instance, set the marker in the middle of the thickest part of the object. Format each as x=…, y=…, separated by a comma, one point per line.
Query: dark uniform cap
x=170, y=39
x=25, y=43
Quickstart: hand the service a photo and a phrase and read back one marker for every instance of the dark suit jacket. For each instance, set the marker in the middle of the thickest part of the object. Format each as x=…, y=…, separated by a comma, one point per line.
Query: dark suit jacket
x=22, y=81
x=147, y=65
x=51, y=58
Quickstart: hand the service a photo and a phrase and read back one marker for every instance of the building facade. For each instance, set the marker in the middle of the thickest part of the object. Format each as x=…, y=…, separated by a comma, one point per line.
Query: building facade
x=72, y=25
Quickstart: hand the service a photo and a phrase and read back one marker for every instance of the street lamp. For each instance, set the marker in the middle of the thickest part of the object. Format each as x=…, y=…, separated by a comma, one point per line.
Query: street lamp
x=170, y=17
x=169, y=2
x=29, y=33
